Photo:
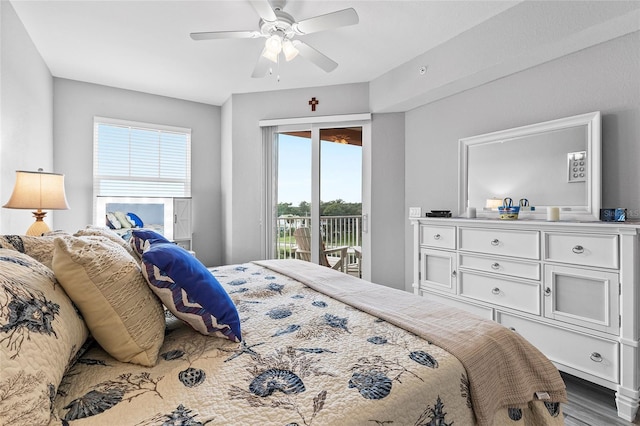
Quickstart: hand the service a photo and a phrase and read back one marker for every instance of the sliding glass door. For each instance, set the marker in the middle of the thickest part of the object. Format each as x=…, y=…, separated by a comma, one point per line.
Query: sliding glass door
x=341, y=198
x=317, y=195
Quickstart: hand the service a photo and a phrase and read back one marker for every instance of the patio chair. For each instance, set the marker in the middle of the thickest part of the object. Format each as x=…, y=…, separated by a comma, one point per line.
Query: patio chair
x=303, y=252
x=355, y=258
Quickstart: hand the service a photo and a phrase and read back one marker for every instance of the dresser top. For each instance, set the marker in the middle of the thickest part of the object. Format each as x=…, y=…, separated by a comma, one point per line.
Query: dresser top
x=628, y=226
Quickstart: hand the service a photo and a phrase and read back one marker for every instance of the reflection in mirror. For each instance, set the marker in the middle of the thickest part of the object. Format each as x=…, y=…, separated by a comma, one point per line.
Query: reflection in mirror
x=555, y=163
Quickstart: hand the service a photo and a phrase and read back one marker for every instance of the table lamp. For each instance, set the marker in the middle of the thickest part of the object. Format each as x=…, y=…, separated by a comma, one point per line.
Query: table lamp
x=493, y=203
x=38, y=190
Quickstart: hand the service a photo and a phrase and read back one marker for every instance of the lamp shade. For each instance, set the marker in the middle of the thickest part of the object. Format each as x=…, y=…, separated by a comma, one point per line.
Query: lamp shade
x=38, y=190
x=493, y=203
x=273, y=57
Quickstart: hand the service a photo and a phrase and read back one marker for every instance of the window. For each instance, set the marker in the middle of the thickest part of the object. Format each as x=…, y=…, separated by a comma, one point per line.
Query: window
x=140, y=160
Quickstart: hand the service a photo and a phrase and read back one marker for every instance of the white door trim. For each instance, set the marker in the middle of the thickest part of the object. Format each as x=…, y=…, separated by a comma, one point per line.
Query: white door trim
x=321, y=119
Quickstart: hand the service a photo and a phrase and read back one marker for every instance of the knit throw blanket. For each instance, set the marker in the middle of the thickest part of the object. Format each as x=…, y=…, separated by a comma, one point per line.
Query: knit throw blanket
x=504, y=369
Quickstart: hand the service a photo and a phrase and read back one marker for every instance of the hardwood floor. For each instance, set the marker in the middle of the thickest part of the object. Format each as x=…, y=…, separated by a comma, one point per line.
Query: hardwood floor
x=591, y=405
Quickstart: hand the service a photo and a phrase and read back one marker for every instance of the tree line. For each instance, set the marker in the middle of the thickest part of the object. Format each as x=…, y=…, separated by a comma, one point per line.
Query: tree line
x=327, y=208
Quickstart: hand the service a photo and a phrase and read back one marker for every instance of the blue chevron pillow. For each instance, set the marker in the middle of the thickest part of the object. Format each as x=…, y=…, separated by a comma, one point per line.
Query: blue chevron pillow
x=189, y=290
x=141, y=238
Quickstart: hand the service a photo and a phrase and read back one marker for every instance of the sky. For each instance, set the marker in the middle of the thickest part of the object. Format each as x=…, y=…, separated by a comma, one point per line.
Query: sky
x=341, y=171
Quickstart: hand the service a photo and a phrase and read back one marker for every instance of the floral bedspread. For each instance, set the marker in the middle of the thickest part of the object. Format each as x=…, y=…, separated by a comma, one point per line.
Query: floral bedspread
x=306, y=359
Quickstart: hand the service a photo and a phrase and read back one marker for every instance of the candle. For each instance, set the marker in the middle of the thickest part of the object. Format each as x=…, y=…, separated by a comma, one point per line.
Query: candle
x=553, y=214
x=471, y=212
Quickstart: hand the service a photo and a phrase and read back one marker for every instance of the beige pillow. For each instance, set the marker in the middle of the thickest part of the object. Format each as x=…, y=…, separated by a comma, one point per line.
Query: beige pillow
x=108, y=233
x=41, y=333
x=39, y=248
x=106, y=284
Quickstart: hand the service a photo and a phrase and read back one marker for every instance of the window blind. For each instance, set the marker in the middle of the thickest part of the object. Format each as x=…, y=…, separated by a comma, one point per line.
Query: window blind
x=134, y=159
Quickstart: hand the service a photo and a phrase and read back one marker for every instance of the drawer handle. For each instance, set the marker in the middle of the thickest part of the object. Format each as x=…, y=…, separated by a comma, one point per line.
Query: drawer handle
x=547, y=291
x=495, y=242
x=454, y=274
x=495, y=290
x=578, y=249
x=495, y=265
x=595, y=357
x=512, y=328
x=436, y=237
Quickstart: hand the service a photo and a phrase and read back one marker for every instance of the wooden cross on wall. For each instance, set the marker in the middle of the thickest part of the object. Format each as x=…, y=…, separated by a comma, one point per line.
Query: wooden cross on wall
x=313, y=102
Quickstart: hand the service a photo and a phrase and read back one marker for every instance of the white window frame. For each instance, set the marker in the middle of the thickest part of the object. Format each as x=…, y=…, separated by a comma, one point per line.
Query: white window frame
x=97, y=121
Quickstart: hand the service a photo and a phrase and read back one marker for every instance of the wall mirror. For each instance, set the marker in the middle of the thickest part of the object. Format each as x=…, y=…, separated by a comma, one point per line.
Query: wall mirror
x=555, y=163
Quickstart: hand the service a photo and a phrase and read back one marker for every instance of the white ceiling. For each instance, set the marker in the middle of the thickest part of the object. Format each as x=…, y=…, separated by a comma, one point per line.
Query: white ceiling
x=145, y=45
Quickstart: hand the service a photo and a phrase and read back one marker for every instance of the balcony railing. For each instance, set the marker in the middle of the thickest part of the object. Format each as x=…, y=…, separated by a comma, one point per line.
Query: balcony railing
x=336, y=231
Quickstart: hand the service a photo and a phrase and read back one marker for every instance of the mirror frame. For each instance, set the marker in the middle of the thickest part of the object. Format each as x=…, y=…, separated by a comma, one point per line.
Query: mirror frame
x=592, y=121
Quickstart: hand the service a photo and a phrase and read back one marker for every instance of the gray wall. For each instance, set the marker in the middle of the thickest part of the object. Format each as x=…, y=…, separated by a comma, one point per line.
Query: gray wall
x=388, y=215
x=601, y=78
x=26, y=116
x=226, y=169
x=75, y=105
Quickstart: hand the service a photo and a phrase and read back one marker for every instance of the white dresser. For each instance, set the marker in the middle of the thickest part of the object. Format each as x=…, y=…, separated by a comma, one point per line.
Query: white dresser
x=572, y=289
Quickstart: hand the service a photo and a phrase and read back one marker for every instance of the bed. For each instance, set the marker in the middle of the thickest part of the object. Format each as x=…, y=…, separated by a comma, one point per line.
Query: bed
x=318, y=347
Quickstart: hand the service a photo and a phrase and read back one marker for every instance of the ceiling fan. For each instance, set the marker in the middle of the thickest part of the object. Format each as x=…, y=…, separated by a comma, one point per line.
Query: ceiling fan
x=280, y=29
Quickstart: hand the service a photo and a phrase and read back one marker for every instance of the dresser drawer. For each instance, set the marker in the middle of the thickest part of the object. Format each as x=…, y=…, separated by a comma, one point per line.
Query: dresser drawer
x=523, y=296
x=590, y=354
x=438, y=236
x=582, y=249
x=525, y=244
x=501, y=266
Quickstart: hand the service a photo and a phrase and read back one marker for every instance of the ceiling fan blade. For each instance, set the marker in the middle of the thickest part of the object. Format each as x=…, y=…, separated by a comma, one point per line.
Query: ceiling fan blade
x=213, y=35
x=340, y=18
x=263, y=7
x=315, y=56
x=262, y=67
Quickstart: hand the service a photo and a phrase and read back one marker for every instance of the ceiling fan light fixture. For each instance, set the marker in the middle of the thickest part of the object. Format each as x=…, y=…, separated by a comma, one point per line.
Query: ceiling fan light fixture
x=289, y=50
x=274, y=44
x=272, y=56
